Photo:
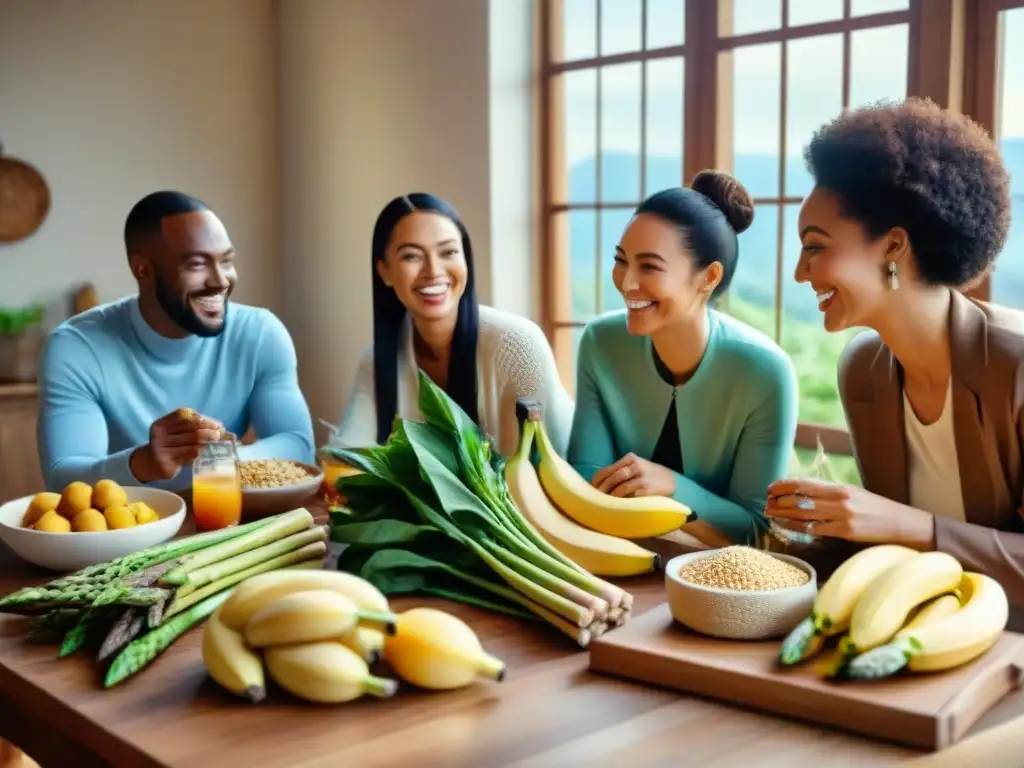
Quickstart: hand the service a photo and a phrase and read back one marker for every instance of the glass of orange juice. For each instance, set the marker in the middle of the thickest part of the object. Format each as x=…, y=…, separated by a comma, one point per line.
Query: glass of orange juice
x=217, y=486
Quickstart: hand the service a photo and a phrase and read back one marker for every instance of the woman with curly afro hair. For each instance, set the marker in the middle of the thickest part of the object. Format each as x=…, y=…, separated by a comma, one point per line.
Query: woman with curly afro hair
x=911, y=204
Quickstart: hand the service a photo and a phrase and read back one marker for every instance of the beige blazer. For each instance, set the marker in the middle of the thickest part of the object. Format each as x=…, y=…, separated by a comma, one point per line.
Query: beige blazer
x=987, y=349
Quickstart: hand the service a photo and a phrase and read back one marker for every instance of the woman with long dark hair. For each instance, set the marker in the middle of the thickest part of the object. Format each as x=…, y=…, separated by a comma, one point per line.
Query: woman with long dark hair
x=672, y=397
x=426, y=317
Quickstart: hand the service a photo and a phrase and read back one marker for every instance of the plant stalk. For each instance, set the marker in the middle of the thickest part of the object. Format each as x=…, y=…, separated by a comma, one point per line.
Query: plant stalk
x=550, y=581
x=556, y=603
x=309, y=556
x=285, y=525
x=140, y=652
x=219, y=570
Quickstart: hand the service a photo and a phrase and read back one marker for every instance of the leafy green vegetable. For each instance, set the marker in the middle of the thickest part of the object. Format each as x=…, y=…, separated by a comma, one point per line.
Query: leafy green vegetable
x=431, y=514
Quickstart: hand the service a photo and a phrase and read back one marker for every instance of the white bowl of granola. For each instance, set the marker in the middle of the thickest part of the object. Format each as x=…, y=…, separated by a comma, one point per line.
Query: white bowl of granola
x=272, y=486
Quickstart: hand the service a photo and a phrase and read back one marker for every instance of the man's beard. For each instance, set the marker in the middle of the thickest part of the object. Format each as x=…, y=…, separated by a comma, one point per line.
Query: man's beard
x=181, y=313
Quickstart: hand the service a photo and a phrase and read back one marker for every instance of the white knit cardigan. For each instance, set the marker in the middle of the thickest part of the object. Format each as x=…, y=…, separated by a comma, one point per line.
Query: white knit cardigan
x=514, y=360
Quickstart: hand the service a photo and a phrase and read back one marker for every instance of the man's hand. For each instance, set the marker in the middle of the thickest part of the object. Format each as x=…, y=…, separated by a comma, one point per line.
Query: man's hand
x=633, y=476
x=175, y=441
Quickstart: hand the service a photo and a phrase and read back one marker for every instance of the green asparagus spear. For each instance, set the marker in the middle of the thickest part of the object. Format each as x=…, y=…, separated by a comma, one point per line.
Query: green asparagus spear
x=285, y=525
x=139, y=653
x=224, y=568
x=52, y=626
x=95, y=621
x=309, y=556
x=80, y=588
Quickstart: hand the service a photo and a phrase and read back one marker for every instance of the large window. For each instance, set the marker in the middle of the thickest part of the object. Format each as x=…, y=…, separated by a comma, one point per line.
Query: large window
x=783, y=72
x=616, y=104
x=1008, y=124
x=639, y=95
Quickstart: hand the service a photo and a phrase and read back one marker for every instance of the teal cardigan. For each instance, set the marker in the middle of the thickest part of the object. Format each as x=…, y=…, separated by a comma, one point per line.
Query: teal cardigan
x=737, y=416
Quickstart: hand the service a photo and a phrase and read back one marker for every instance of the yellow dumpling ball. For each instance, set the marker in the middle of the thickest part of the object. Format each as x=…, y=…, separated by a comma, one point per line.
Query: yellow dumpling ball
x=107, y=493
x=119, y=517
x=89, y=520
x=76, y=497
x=41, y=504
x=51, y=522
x=143, y=513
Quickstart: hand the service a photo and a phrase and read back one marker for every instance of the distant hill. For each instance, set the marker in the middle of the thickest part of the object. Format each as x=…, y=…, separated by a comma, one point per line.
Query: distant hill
x=755, y=278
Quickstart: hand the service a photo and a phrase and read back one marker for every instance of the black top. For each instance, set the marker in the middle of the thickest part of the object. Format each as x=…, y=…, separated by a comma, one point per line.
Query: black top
x=668, y=452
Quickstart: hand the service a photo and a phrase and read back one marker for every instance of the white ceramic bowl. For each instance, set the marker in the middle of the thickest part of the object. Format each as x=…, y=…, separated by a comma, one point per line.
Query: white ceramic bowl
x=738, y=614
x=260, y=502
x=67, y=552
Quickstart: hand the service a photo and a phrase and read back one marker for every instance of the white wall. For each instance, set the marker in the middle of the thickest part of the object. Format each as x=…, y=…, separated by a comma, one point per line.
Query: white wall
x=113, y=99
x=379, y=99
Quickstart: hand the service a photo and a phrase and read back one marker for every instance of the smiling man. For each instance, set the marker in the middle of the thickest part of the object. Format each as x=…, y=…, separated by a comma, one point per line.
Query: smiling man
x=133, y=390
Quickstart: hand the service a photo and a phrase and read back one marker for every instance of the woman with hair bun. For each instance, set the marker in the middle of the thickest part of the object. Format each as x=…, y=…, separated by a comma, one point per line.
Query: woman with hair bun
x=911, y=203
x=672, y=397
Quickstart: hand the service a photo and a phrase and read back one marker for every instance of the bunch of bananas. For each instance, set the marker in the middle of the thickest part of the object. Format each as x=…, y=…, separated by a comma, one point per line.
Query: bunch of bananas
x=317, y=634
x=898, y=608
x=590, y=527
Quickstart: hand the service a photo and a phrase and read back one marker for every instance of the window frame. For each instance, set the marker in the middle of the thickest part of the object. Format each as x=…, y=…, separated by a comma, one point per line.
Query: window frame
x=947, y=62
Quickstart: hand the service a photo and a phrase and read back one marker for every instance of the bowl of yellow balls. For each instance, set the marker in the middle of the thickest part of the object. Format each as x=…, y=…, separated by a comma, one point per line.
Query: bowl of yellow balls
x=89, y=524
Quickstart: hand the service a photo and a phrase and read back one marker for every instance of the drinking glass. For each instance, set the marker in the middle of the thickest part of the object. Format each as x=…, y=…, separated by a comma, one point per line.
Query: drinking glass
x=217, y=486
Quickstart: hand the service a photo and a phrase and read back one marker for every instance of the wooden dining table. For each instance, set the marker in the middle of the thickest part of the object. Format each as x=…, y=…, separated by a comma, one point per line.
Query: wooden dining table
x=549, y=711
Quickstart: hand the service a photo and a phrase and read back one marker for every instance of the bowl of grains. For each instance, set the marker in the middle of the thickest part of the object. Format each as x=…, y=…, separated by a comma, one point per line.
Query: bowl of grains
x=740, y=593
x=272, y=486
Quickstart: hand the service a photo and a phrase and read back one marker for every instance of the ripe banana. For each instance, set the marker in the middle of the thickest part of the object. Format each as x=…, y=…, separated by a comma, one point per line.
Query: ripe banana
x=939, y=608
x=942, y=641
x=257, y=591
x=598, y=553
x=230, y=662
x=305, y=617
x=368, y=643
x=436, y=650
x=835, y=601
x=628, y=518
x=885, y=604
x=325, y=672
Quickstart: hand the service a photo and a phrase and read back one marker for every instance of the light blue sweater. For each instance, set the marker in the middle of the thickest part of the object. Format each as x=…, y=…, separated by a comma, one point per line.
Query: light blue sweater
x=106, y=376
x=736, y=415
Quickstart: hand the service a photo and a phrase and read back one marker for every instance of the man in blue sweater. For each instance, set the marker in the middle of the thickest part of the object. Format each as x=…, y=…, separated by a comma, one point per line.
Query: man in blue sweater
x=132, y=390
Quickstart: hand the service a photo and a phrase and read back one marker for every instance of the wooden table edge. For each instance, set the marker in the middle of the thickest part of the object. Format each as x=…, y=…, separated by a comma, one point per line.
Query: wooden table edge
x=75, y=729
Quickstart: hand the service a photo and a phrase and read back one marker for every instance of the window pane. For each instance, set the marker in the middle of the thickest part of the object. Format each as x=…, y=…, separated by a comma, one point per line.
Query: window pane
x=577, y=232
x=802, y=12
x=751, y=296
x=756, y=116
x=750, y=16
x=578, y=90
x=620, y=133
x=867, y=7
x=878, y=64
x=814, y=80
x=815, y=352
x=666, y=23
x=664, y=161
x=579, y=29
x=620, y=26
x=1008, y=280
x=613, y=224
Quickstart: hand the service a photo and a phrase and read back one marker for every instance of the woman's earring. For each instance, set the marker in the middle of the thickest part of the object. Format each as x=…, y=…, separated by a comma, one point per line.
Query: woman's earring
x=894, y=279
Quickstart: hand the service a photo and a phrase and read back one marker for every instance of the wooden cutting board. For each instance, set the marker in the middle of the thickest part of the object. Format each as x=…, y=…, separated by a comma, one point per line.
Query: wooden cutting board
x=925, y=711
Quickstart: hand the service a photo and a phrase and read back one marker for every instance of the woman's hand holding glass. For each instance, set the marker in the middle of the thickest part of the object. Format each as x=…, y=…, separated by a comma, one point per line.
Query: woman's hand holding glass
x=847, y=512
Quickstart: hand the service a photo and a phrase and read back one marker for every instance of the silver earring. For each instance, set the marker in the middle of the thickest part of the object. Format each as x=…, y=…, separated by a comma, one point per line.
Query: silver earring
x=894, y=279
